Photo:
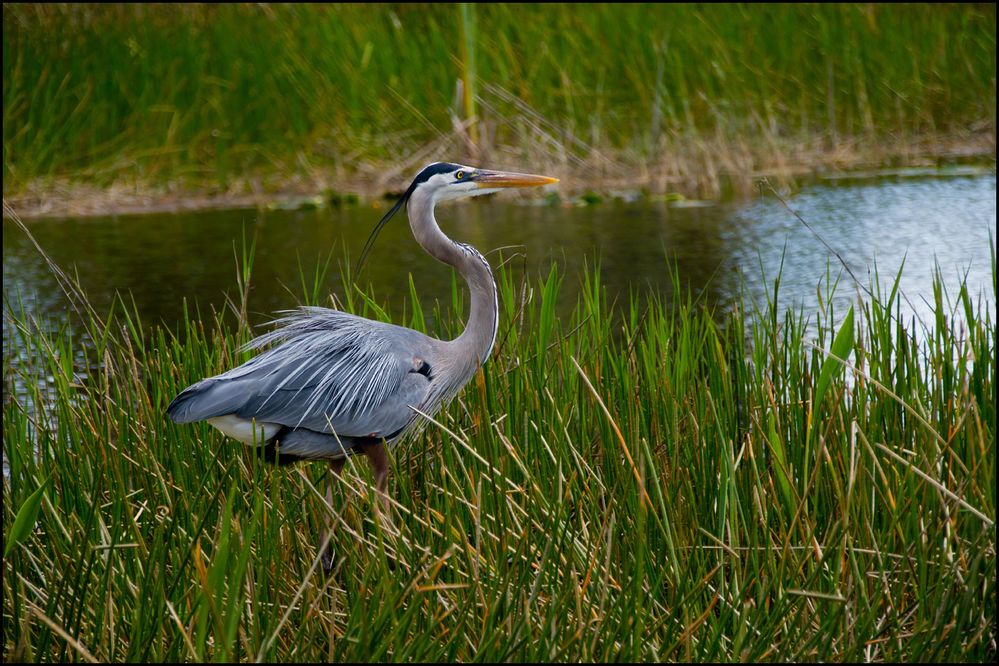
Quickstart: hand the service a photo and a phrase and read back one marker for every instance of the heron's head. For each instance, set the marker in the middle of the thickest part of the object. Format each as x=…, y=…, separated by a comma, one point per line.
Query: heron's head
x=445, y=181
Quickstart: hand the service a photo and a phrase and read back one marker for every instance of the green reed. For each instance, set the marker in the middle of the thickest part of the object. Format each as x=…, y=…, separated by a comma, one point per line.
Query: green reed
x=632, y=482
x=212, y=94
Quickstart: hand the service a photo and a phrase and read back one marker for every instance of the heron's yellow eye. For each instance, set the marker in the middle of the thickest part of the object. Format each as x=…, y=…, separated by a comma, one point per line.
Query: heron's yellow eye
x=459, y=175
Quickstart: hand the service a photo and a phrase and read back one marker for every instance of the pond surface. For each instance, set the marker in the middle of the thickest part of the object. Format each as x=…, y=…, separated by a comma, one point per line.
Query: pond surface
x=724, y=252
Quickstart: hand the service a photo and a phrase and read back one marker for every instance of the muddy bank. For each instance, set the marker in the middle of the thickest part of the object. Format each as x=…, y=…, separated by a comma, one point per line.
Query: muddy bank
x=686, y=170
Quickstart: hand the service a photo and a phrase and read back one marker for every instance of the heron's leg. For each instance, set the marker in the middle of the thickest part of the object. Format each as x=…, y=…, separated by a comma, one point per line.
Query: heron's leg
x=378, y=457
x=336, y=466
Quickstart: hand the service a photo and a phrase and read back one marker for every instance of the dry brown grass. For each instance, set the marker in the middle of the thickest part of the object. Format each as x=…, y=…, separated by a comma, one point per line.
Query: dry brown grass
x=692, y=166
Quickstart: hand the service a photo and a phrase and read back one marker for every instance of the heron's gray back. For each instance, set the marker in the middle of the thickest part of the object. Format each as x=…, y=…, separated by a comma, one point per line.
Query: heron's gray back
x=331, y=373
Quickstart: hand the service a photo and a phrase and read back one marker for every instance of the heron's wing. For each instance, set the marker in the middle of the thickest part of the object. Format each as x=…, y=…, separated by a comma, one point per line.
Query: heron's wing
x=331, y=372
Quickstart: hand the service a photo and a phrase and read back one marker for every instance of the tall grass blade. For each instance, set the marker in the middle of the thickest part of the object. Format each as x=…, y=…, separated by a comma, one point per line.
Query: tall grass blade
x=25, y=520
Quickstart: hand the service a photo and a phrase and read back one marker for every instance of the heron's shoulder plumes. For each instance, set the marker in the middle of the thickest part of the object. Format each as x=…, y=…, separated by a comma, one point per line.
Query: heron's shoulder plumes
x=321, y=368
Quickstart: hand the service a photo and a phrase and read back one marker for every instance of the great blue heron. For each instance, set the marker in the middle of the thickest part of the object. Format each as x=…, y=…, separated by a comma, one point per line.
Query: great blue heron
x=338, y=384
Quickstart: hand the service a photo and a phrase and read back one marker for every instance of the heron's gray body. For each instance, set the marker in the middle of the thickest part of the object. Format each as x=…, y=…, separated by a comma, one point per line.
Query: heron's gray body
x=334, y=381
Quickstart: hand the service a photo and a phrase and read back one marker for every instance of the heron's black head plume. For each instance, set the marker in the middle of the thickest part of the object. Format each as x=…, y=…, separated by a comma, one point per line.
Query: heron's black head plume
x=378, y=227
x=422, y=177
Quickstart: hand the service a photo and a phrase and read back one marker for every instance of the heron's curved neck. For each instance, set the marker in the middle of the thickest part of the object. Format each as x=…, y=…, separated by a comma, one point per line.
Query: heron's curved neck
x=476, y=341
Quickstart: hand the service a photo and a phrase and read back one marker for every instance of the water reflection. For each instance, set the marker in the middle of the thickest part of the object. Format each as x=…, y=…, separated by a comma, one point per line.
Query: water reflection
x=925, y=224
x=719, y=251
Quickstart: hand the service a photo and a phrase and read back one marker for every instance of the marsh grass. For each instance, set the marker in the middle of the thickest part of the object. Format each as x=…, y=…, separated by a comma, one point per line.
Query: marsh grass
x=249, y=97
x=632, y=482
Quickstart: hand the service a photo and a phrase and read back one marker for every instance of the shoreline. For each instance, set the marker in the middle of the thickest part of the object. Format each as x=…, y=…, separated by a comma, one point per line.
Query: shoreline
x=689, y=171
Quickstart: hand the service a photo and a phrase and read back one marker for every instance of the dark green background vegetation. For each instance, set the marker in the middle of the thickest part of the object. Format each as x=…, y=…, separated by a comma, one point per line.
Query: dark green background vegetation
x=211, y=93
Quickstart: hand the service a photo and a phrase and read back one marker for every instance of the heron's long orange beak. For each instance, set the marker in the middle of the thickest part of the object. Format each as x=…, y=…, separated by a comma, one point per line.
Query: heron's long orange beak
x=506, y=179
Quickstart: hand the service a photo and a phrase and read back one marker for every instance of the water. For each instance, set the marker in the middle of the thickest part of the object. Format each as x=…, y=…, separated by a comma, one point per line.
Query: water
x=723, y=252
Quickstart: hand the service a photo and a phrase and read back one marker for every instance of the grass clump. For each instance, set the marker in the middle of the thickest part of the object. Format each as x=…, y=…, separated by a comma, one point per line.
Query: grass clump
x=632, y=482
